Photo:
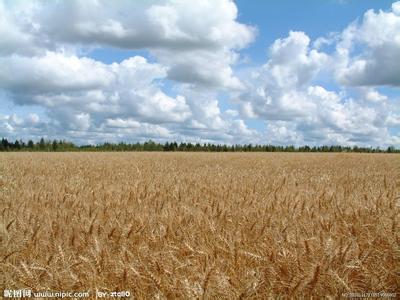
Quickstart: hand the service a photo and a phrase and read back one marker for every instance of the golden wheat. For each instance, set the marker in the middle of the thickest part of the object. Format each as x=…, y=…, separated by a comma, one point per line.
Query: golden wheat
x=200, y=225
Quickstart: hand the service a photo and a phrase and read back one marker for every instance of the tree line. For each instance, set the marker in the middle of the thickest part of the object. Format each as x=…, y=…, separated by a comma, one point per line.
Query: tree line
x=62, y=145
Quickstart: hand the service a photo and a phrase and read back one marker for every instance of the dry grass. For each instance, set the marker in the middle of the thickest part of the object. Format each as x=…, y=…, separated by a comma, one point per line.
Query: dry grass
x=191, y=225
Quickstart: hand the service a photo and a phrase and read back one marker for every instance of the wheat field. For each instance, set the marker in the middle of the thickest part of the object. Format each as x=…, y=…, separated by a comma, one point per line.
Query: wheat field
x=201, y=225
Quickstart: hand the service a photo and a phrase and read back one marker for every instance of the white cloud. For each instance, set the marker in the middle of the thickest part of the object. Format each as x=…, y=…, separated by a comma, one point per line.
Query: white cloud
x=194, y=44
x=393, y=120
x=201, y=67
x=14, y=39
x=178, y=25
x=127, y=99
x=195, y=47
x=371, y=95
x=53, y=72
x=80, y=93
x=292, y=63
x=121, y=123
x=21, y=126
x=198, y=42
x=277, y=90
x=296, y=110
x=33, y=118
x=368, y=52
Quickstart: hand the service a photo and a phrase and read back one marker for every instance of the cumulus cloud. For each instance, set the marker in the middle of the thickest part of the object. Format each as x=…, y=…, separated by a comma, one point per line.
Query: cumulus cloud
x=277, y=89
x=211, y=124
x=283, y=92
x=202, y=67
x=15, y=39
x=26, y=126
x=80, y=93
x=292, y=62
x=194, y=48
x=198, y=42
x=53, y=72
x=177, y=25
x=371, y=95
x=125, y=98
x=368, y=51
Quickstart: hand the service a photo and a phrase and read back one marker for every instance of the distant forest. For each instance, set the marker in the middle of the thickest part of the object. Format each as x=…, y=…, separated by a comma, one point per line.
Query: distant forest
x=61, y=145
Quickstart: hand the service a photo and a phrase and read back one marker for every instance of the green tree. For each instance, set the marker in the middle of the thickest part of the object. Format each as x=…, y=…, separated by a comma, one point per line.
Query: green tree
x=30, y=144
x=54, y=145
x=42, y=144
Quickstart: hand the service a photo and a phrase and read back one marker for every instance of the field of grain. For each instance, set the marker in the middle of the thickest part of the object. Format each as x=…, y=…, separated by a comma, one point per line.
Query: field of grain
x=200, y=225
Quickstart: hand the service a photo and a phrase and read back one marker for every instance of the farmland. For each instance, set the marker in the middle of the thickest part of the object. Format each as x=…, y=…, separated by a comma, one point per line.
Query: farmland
x=200, y=225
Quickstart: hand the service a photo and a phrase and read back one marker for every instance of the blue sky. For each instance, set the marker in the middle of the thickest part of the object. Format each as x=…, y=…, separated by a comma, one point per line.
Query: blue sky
x=282, y=72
